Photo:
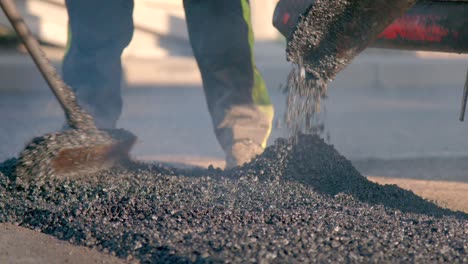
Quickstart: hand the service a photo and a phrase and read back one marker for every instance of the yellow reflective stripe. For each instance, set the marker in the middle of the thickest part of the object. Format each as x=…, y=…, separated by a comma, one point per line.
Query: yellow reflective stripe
x=259, y=92
x=269, y=113
x=69, y=38
x=246, y=13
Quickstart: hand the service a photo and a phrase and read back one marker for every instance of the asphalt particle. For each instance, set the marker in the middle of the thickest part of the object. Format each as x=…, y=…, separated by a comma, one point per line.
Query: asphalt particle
x=300, y=201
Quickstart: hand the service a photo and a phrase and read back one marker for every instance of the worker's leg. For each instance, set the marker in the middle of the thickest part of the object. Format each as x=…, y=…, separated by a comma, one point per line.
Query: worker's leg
x=98, y=33
x=222, y=41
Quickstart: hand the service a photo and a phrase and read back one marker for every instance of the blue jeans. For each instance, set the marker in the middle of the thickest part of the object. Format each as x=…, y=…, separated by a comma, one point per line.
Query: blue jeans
x=221, y=38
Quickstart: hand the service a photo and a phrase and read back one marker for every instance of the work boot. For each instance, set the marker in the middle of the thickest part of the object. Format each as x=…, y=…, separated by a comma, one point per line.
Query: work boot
x=241, y=152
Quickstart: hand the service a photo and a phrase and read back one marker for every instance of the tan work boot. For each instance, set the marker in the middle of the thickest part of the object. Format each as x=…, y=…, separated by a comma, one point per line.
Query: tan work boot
x=241, y=152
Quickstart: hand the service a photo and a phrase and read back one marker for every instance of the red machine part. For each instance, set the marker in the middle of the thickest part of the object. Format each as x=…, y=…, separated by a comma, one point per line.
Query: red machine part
x=429, y=25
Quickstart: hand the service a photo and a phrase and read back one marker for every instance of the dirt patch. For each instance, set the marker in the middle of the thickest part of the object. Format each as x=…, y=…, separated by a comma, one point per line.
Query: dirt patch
x=295, y=203
x=327, y=37
x=452, y=195
x=21, y=245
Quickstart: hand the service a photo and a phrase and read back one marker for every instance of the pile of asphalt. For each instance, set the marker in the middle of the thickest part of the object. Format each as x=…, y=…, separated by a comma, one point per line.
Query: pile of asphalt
x=299, y=202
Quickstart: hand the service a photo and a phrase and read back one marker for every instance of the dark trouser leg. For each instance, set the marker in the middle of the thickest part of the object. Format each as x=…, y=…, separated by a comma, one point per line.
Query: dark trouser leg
x=99, y=31
x=221, y=39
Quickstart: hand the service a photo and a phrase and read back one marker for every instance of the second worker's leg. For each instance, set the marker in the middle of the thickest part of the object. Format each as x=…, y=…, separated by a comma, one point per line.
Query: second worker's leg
x=222, y=41
x=98, y=33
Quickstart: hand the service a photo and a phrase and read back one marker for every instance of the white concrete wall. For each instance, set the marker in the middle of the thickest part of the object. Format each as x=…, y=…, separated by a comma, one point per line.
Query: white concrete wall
x=262, y=16
x=153, y=18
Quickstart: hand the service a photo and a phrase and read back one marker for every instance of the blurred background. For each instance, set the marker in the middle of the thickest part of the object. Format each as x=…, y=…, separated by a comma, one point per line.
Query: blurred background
x=394, y=114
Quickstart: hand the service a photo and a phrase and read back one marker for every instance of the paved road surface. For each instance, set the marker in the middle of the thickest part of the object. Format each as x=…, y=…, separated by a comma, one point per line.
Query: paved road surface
x=399, y=132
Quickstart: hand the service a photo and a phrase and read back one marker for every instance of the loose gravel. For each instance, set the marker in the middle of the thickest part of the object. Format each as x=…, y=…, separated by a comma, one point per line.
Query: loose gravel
x=300, y=202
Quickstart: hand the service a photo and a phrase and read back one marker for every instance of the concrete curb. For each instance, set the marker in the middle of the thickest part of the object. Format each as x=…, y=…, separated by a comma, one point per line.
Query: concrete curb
x=381, y=69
